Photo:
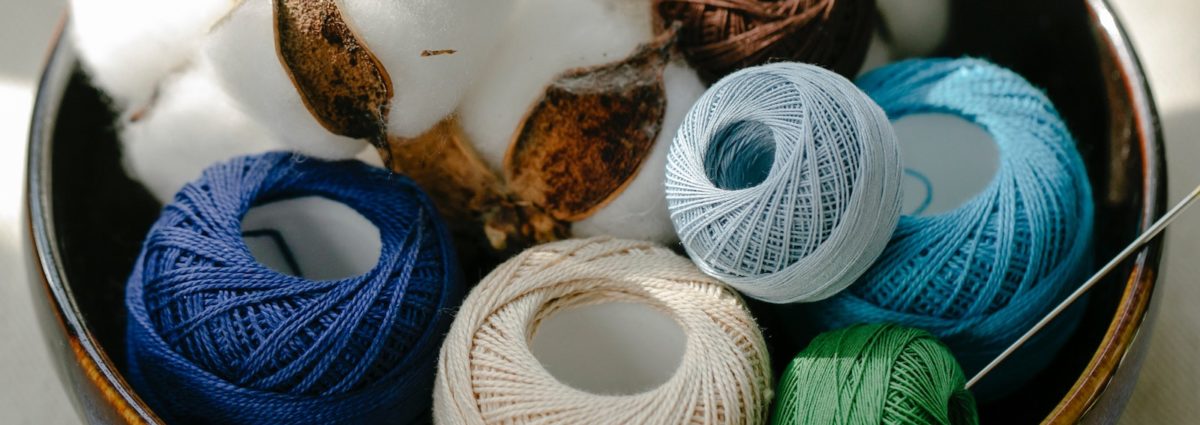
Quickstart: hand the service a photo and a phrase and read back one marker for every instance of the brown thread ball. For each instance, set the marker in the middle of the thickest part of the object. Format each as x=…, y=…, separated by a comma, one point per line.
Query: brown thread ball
x=722, y=36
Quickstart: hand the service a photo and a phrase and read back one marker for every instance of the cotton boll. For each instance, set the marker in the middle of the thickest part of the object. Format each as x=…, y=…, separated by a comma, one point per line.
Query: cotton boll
x=640, y=211
x=915, y=27
x=242, y=51
x=129, y=46
x=427, y=88
x=545, y=39
x=190, y=126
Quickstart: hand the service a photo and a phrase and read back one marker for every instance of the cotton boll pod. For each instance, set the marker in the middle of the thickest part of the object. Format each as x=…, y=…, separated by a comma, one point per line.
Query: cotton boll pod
x=545, y=38
x=640, y=211
x=914, y=27
x=327, y=75
x=247, y=65
x=564, y=132
x=570, y=110
x=587, y=137
x=433, y=50
x=191, y=125
x=129, y=46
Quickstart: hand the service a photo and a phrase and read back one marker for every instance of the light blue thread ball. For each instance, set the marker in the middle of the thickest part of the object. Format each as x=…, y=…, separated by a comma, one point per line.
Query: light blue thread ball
x=784, y=182
x=979, y=276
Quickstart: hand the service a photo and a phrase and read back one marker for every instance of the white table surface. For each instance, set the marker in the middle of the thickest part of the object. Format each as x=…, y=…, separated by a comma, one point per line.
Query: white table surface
x=1165, y=32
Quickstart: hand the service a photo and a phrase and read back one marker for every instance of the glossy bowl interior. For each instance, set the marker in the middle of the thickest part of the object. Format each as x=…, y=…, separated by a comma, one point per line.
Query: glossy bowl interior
x=87, y=218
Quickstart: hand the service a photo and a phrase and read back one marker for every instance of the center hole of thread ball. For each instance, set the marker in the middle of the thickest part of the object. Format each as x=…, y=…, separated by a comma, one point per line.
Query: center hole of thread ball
x=947, y=161
x=740, y=156
x=616, y=348
x=311, y=237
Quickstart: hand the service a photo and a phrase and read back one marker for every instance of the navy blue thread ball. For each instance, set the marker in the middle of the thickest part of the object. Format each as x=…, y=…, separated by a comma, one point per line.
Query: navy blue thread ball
x=216, y=337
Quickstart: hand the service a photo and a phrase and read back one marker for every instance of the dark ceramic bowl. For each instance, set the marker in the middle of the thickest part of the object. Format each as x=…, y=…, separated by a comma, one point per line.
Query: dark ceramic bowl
x=86, y=218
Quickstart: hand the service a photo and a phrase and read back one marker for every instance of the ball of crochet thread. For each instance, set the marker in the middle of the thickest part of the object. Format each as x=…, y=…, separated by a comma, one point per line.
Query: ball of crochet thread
x=488, y=375
x=979, y=276
x=784, y=182
x=722, y=36
x=216, y=337
x=874, y=374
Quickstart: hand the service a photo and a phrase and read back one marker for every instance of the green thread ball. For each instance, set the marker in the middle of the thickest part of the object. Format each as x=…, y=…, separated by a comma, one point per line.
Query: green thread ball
x=874, y=374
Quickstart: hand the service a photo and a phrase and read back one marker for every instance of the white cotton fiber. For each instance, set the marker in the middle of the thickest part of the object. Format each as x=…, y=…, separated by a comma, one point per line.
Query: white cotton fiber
x=916, y=27
x=427, y=88
x=370, y=156
x=640, y=212
x=129, y=46
x=190, y=126
x=242, y=52
x=546, y=38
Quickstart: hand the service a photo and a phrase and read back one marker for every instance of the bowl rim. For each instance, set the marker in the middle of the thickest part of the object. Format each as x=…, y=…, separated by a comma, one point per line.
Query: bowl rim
x=90, y=356
x=1124, y=332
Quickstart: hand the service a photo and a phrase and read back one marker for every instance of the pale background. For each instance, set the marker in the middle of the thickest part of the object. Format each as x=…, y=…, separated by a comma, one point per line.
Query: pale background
x=1165, y=32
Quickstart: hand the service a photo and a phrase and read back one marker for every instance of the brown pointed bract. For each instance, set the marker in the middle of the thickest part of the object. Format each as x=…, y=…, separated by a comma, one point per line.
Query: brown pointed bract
x=579, y=145
x=469, y=195
x=443, y=163
x=341, y=82
x=585, y=139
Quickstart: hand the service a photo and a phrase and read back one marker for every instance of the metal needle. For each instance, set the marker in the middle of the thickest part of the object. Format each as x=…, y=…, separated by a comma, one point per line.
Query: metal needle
x=1133, y=247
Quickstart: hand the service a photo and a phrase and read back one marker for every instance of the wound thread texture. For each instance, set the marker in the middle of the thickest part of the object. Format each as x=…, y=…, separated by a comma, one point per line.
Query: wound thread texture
x=487, y=374
x=874, y=374
x=979, y=276
x=784, y=182
x=722, y=36
x=216, y=337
